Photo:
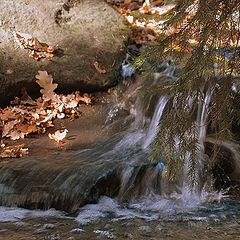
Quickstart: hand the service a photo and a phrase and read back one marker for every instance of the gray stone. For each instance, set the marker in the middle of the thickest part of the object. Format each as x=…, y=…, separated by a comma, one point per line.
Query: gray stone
x=86, y=31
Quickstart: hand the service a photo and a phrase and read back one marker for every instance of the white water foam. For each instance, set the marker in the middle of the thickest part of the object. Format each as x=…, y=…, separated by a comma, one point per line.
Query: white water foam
x=152, y=207
x=9, y=214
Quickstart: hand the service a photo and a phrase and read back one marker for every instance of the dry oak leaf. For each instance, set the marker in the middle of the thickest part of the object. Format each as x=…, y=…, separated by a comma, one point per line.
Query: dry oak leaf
x=27, y=129
x=45, y=81
x=86, y=98
x=59, y=135
x=15, y=134
x=7, y=127
x=7, y=114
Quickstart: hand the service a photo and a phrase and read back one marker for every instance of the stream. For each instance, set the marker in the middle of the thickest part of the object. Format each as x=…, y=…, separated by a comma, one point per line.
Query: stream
x=123, y=195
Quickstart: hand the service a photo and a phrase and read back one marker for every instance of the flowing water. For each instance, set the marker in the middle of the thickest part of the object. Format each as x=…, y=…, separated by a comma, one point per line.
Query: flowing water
x=139, y=196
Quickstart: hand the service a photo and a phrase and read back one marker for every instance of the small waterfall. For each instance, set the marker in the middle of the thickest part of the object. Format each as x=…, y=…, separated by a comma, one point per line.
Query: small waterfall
x=153, y=127
x=141, y=137
x=202, y=119
x=117, y=166
x=201, y=123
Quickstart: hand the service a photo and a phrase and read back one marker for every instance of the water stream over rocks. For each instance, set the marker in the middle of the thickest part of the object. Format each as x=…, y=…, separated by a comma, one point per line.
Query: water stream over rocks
x=106, y=184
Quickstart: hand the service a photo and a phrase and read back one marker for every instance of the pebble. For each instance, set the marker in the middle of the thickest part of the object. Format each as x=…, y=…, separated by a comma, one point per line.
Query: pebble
x=77, y=230
x=48, y=226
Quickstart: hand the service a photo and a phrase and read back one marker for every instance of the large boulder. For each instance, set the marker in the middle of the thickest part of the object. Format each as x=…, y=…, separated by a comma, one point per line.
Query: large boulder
x=87, y=32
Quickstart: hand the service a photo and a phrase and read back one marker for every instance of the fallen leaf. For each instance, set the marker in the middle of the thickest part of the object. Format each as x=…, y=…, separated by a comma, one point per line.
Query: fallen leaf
x=45, y=81
x=8, y=127
x=38, y=49
x=59, y=135
x=15, y=135
x=7, y=114
x=99, y=69
x=86, y=98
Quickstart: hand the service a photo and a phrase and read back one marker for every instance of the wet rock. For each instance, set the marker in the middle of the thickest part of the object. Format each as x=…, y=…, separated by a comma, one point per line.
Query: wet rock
x=77, y=230
x=48, y=226
x=65, y=182
x=87, y=32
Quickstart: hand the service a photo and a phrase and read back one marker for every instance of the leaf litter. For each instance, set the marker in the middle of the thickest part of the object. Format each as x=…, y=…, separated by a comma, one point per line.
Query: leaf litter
x=38, y=49
x=26, y=116
x=146, y=18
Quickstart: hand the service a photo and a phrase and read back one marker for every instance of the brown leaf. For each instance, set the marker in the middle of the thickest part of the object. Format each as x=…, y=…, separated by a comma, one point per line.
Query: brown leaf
x=99, y=69
x=86, y=98
x=7, y=114
x=15, y=135
x=45, y=81
x=27, y=129
x=38, y=49
x=59, y=135
x=8, y=127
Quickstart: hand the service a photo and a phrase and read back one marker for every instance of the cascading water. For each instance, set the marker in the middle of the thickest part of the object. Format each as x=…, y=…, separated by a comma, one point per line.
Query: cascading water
x=115, y=175
x=142, y=189
x=153, y=127
x=137, y=182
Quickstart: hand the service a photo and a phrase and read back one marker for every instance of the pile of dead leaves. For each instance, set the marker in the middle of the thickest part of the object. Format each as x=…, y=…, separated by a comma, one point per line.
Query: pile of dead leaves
x=38, y=50
x=137, y=12
x=26, y=116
